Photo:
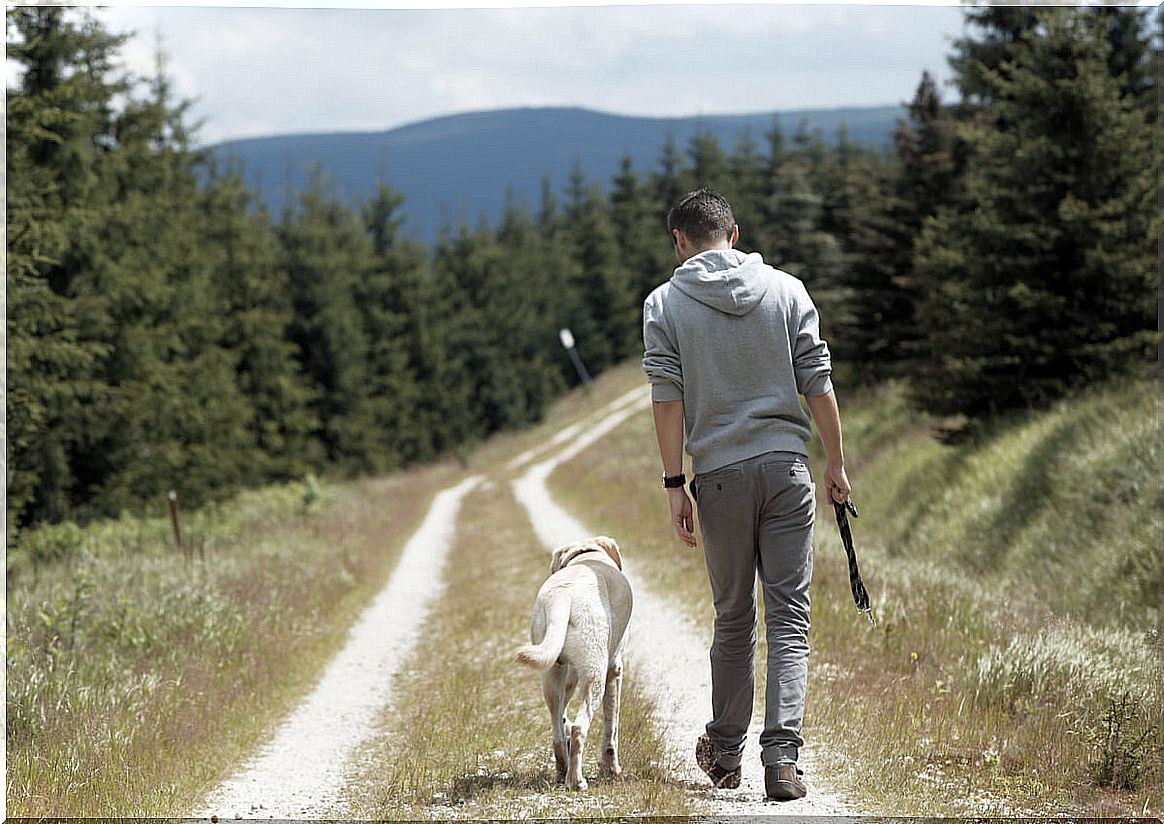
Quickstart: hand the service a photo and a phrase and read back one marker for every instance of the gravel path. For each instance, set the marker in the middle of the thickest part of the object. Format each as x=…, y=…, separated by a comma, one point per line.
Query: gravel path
x=301, y=771
x=667, y=650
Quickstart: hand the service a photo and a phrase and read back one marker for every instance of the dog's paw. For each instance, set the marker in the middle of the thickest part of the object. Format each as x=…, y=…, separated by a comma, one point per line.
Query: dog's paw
x=577, y=786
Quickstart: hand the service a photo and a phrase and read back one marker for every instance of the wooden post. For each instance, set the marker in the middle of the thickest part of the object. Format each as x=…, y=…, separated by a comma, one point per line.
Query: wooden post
x=173, y=499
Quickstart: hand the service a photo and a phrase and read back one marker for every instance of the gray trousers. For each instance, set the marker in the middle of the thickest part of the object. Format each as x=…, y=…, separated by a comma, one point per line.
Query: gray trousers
x=756, y=517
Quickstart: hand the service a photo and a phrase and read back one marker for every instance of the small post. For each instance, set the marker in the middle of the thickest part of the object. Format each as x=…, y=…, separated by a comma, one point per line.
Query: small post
x=567, y=339
x=172, y=497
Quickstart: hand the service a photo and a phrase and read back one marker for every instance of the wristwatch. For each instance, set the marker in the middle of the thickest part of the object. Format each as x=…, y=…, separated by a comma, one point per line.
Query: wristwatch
x=674, y=481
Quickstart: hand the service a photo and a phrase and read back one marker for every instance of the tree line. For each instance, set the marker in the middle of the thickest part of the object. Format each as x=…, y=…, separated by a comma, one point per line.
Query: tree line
x=165, y=331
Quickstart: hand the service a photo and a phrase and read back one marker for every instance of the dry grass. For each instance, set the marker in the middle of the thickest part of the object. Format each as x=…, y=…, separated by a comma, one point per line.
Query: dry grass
x=137, y=679
x=981, y=691
x=468, y=735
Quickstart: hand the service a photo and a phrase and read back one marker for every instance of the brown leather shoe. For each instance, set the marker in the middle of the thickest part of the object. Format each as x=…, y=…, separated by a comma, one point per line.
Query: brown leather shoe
x=782, y=782
x=720, y=778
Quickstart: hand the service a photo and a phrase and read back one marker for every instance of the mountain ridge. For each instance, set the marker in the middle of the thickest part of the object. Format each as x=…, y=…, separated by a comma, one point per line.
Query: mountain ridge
x=459, y=167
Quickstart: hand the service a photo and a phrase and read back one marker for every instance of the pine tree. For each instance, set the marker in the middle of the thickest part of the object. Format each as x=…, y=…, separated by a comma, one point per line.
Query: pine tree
x=708, y=164
x=641, y=232
x=1046, y=282
x=524, y=312
x=792, y=237
x=870, y=323
x=175, y=415
x=606, y=320
x=327, y=255
x=382, y=299
x=671, y=181
x=745, y=190
x=59, y=119
x=244, y=259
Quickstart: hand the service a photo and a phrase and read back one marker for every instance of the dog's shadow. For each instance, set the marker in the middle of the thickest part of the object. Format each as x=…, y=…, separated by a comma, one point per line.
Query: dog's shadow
x=465, y=788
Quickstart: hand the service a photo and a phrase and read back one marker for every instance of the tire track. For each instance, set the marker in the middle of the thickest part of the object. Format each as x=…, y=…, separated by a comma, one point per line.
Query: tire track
x=301, y=771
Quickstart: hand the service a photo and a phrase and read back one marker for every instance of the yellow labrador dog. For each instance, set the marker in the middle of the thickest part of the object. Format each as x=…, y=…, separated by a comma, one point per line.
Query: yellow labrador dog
x=577, y=633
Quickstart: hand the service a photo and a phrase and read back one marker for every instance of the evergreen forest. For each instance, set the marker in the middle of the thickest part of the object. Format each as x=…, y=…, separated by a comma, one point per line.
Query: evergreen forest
x=164, y=331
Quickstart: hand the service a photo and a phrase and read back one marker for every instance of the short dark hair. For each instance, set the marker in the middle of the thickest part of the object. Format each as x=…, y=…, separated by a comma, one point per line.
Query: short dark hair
x=703, y=215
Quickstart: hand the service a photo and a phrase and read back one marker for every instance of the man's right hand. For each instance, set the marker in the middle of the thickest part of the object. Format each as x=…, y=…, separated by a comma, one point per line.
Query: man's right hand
x=682, y=515
x=837, y=483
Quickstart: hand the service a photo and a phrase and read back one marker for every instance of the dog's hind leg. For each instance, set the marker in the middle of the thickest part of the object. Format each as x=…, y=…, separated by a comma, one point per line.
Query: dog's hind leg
x=592, y=689
x=610, y=705
x=554, y=690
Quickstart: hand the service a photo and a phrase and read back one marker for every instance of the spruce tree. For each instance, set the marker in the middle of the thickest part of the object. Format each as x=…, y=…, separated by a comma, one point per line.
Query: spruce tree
x=327, y=255
x=641, y=232
x=254, y=290
x=672, y=178
x=745, y=190
x=1045, y=283
x=606, y=322
x=382, y=297
x=708, y=164
x=60, y=121
x=175, y=416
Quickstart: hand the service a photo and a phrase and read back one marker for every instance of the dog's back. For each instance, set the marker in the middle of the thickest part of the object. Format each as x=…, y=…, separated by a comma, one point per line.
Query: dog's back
x=580, y=617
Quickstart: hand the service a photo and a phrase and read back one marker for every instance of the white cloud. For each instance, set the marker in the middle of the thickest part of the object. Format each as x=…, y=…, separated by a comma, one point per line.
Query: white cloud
x=262, y=70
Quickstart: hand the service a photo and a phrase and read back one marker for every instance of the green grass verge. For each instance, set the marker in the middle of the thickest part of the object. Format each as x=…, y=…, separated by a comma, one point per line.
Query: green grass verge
x=468, y=735
x=139, y=678
x=1014, y=668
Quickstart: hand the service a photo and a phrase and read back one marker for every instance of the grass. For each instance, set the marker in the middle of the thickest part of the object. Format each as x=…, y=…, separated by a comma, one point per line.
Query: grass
x=1014, y=668
x=468, y=735
x=138, y=678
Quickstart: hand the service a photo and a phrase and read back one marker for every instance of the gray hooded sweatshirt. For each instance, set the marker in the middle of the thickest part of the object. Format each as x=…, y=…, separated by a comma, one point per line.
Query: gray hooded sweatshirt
x=738, y=342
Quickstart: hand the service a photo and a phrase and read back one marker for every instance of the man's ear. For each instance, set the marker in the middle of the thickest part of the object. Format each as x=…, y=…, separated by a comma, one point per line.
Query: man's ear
x=735, y=238
x=611, y=548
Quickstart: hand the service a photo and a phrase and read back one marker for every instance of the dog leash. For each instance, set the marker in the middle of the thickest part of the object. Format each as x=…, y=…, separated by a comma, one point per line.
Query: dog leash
x=860, y=596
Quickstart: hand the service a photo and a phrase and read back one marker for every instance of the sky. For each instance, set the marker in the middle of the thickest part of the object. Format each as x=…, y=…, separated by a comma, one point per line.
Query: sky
x=261, y=71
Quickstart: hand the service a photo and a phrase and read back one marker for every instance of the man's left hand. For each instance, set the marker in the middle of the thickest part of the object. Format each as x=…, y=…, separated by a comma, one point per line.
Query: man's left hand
x=682, y=515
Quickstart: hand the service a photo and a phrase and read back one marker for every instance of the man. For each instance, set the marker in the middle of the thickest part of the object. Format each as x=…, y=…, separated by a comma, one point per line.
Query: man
x=730, y=345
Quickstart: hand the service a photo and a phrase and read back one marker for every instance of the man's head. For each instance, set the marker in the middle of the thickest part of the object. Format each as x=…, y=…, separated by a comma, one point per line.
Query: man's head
x=701, y=220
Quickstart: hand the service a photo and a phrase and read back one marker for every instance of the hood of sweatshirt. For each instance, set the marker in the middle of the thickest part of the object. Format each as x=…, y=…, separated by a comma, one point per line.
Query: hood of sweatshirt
x=725, y=279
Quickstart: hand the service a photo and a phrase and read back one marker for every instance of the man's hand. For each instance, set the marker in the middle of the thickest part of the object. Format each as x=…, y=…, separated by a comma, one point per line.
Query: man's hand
x=682, y=517
x=837, y=483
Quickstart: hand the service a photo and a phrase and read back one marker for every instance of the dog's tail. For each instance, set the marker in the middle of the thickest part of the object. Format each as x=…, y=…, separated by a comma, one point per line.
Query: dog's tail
x=540, y=656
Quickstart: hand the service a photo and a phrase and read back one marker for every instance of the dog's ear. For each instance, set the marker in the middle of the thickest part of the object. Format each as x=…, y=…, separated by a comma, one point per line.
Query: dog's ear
x=556, y=561
x=611, y=548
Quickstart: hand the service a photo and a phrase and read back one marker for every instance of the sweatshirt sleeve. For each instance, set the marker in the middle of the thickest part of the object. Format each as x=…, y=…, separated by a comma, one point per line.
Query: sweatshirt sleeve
x=660, y=355
x=810, y=355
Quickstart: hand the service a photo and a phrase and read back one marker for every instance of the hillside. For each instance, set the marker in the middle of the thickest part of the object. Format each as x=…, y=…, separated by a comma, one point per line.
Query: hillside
x=459, y=167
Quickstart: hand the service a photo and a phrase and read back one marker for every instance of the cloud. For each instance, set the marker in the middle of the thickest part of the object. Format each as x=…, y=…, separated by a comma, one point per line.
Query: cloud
x=263, y=71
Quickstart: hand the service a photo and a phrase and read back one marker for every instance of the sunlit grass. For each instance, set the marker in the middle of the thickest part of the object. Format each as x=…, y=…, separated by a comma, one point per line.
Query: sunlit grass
x=139, y=677
x=468, y=735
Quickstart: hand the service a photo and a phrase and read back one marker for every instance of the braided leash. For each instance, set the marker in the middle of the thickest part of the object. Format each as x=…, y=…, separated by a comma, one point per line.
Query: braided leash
x=860, y=596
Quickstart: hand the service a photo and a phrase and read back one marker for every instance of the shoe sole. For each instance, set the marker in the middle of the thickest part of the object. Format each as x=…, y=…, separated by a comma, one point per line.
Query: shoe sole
x=703, y=757
x=786, y=791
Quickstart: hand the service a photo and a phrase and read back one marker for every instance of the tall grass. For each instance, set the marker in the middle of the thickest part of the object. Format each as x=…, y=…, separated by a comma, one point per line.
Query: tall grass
x=1014, y=668
x=138, y=676
x=1063, y=506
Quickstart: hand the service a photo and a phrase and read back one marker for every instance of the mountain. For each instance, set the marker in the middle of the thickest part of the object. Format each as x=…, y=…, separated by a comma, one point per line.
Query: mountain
x=458, y=168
